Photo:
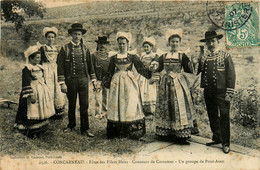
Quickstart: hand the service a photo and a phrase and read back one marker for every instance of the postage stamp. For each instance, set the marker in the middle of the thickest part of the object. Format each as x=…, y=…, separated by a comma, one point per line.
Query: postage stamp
x=239, y=20
x=242, y=24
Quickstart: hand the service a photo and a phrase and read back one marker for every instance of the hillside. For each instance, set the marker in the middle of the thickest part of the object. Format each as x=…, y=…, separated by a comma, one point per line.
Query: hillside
x=109, y=8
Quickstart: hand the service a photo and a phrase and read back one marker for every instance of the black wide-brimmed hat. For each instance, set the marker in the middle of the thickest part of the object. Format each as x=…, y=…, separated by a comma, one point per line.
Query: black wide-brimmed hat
x=76, y=27
x=102, y=39
x=211, y=34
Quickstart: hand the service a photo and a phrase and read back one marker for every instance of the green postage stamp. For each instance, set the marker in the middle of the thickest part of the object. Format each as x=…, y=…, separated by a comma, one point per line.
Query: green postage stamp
x=242, y=24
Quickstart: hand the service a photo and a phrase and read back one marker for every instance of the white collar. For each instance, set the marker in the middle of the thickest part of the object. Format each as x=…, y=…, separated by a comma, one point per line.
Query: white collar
x=172, y=55
x=121, y=55
x=150, y=54
x=73, y=43
x=214, y=52
x=217, y=50
x=31, y=67
x=51, y=47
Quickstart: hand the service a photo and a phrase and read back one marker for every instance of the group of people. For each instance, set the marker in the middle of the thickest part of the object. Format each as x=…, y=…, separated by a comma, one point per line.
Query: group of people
x=161, y=88
x=41, y=97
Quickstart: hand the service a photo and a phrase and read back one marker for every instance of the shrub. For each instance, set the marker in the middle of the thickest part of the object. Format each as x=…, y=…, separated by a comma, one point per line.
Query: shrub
x=26, y=33
x=246, y=103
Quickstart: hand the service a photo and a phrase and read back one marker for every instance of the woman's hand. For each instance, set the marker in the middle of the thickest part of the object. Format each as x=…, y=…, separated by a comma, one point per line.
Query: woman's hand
x=228, y=97
x=154, y=66
x=33, y=98
x=96, y=86
x=63, y=88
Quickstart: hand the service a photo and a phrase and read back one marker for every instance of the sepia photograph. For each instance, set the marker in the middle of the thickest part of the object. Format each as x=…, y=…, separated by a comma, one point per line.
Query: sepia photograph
x=160, y=84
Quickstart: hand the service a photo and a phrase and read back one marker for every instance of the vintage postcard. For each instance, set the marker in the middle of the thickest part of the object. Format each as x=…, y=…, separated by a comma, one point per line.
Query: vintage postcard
x=129, y=84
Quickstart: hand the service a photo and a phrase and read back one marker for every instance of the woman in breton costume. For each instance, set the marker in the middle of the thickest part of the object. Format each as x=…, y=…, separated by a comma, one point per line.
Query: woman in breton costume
x=35, y=103
x=49, y=54
x=174, y=108
x=125, y=114
x=148, y=88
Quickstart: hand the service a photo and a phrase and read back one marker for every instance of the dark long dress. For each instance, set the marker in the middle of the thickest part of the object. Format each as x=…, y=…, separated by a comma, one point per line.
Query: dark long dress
x=174, y=107
x=125, y=114
x=31, y=116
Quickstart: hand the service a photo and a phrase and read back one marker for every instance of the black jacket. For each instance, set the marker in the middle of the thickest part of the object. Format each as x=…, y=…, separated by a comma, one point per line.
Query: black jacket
x=65, y=62
x=223, y=73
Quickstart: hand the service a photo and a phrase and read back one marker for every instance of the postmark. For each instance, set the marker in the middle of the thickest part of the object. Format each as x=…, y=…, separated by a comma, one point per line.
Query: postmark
x=230, y=16
x=216, y=13
x=239, y=20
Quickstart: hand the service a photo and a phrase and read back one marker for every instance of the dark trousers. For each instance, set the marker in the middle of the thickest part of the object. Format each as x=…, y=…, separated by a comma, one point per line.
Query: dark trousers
x=78, y=85
x=218, y=113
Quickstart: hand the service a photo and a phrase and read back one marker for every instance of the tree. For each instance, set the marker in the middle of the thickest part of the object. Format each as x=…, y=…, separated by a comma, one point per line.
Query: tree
x=17, y=11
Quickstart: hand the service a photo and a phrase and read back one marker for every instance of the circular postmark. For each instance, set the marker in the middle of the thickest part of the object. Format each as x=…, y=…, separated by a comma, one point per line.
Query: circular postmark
x=228, y=16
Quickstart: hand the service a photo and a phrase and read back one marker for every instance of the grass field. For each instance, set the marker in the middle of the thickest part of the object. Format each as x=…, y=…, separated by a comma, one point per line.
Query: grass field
x=54, y=139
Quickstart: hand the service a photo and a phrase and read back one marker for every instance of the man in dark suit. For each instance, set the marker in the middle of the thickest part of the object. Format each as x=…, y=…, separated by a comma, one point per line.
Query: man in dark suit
x=218, y=80
x=74, y=66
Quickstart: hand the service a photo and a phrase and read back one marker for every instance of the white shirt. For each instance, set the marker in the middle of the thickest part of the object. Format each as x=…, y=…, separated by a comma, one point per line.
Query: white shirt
x=173, y=55
x=121, y=55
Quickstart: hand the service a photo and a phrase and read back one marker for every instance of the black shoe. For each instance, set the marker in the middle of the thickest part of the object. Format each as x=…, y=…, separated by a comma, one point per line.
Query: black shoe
x=149, y=117
x=57, y=117
x=164, y=138
x=145, y=139
x=183, y=142
x=87, y=133
x=68, y=129
x=226, y=149
x=195, y=131
x=213, y=143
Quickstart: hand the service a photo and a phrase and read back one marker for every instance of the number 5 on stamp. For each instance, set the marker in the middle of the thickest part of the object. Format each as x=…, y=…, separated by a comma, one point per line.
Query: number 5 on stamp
x=242, y=24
